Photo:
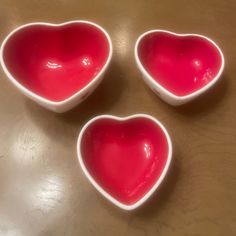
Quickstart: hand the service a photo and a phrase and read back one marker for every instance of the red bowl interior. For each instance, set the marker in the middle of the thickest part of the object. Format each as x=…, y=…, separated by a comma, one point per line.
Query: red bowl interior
x=180, y=64
x=56, y=62
x=125, y=158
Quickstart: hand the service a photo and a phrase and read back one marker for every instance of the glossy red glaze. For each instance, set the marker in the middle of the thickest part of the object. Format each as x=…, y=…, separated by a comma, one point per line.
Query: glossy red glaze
x=181, y=64
x=125, y=158
x=55, y=62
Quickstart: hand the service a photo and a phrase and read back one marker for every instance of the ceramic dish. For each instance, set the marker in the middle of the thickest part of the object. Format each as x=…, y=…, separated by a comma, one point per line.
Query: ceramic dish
x=178, y=67
x=56, y=65
x=125, y=159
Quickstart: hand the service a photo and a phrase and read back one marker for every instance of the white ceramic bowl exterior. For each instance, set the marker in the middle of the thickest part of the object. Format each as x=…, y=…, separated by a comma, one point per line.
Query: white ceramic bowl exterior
x=69, y=103
x=158, y=89
x=98, y=187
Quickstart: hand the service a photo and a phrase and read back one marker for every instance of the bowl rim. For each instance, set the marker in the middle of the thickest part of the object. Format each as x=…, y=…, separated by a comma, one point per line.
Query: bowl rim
x=94, y=182
x=56, y=25
x=154, y=83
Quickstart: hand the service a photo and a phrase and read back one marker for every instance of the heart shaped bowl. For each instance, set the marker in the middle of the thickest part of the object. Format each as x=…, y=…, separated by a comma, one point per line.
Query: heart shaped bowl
x=56, y=65
x=178, y=67
x=125, y=159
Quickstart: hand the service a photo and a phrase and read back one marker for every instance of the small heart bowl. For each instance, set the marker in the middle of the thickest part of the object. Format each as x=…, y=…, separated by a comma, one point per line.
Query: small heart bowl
x=125, y=159
x=178, y=67
x=56, y=65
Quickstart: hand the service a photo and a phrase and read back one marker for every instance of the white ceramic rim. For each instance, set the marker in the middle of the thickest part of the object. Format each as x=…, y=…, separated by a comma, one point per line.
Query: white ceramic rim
x=98, y=187
x=156, y=84
x=36, y=96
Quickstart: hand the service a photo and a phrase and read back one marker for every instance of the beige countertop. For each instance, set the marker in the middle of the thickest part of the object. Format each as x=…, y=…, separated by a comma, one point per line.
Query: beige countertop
x=42, y=189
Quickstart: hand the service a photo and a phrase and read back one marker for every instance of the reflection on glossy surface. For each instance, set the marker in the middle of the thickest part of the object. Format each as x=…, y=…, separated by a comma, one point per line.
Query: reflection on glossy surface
x=28, y=145
x=7, y=228
x=125, y=158
x=122, y=38
x=56, y=62
x=147, y=150
x=86, y=62
x=181, y=65
x=53, y=65
x=47, y=194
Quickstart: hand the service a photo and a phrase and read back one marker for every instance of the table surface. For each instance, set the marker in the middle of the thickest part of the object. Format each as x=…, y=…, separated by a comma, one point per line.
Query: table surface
x=43, y=191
